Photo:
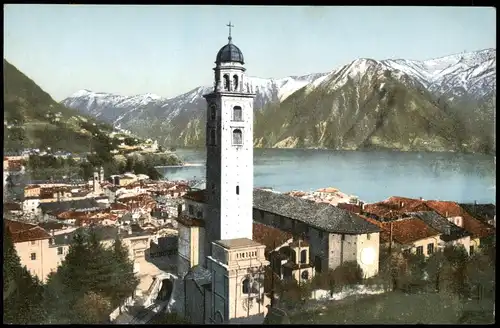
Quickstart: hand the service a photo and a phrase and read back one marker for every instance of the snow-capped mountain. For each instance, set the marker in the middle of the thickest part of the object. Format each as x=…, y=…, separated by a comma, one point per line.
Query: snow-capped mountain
x=116, y=108
x=466, y=78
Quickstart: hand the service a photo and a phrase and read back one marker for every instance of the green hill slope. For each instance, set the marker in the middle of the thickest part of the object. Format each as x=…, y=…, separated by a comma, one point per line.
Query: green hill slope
x=32, y=119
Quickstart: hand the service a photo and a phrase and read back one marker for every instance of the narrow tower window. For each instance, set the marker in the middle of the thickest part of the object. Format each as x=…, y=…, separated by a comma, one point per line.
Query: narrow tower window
x=237, y=190
x=237, y=137
x=237, y=114
x=235, y=82
x=213, y=112
x=226, y=82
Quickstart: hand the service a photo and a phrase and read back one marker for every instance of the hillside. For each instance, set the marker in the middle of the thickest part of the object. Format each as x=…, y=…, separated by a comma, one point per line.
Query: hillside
x=32, y=119
x=442, y=104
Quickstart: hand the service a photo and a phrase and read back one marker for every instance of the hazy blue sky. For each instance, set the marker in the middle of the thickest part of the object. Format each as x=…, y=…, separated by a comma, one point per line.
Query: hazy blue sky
x=168, y=50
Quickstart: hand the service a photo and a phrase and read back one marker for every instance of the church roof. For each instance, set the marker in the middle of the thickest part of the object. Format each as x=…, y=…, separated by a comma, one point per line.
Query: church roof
x=322, y=216
x=230, y=53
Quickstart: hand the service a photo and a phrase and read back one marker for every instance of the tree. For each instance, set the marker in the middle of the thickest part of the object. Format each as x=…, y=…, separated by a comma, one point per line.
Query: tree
x=93, y=308
x=124, y=280
x=23, y=293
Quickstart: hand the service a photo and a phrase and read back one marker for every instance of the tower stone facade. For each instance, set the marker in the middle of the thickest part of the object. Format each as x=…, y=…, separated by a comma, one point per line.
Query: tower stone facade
x=229, y=142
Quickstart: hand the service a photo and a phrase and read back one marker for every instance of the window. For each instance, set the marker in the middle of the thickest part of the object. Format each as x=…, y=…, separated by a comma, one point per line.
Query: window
x=305, y=275
x=235, y=82
x=237, y=137
x=191, y=209
x=212, y=138
x=246, y=286
x=33, y=242
x=420, y=250
x=213, y=112
x=199, y=214
x=430, y=249
x=237, y=190
x=471, y=249
x=33, y=256
x=368, y=236
x=59, y=250
x=226, y=82
x=303, y=256
x=317, y=264
x=237, y=114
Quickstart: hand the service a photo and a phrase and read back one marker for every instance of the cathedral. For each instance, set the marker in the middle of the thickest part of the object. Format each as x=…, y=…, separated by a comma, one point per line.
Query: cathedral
x=219, y=263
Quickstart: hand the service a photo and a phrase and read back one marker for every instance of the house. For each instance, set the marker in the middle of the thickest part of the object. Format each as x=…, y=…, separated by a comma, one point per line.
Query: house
x=457, y=215
x=400, y=207
x=411, y=234
x=31, y=205
x=483, y=212
x=32, y=244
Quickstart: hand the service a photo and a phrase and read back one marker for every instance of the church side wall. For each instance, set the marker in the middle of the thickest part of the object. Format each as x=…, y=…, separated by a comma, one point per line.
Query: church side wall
x=371, y=241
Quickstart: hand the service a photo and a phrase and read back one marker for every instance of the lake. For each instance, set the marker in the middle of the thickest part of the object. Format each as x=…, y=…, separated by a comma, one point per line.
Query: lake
x=370, y=175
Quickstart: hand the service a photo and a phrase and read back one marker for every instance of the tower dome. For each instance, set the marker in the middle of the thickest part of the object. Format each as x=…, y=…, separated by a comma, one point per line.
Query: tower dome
x=229, y=53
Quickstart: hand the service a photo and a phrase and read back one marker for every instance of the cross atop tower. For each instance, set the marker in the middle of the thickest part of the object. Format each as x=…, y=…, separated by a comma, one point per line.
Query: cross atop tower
x=229, y=25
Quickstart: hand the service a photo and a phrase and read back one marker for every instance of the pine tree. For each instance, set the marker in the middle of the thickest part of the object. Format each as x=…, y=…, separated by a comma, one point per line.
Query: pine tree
x=125, y=281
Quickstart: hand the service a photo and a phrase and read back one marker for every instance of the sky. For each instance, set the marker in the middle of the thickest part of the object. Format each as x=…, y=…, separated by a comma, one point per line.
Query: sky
x=169, y=50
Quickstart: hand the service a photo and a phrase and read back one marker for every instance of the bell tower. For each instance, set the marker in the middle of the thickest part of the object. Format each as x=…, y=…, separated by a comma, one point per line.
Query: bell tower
x=229, y=142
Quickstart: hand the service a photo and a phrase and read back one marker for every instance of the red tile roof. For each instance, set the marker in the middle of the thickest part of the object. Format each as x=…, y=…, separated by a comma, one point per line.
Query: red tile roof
x=269, y=236
x=446, y=209
x=404, y=231
x=196, y=195
x=22, y=232
x=394, y=207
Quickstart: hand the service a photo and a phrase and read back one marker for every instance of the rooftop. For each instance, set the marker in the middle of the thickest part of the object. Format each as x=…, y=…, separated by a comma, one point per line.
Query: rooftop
x=477, y=228
x=483, y=212
x=23, y=232
x=62, y=206
x=237, y=243
x=322, y=216
x=269, y=236
x=448, y=230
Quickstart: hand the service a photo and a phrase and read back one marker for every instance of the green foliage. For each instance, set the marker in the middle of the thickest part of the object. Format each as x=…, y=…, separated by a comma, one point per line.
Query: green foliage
x=93, y=308
x=23, y=293
x=38, y=121
x=91, y=274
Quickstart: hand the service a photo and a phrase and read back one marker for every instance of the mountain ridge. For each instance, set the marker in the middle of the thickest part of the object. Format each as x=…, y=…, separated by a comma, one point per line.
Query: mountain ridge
x=456, y=85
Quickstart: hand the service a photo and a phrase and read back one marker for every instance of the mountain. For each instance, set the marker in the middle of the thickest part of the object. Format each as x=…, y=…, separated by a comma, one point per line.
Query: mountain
x=443, y=104
x=32, y=119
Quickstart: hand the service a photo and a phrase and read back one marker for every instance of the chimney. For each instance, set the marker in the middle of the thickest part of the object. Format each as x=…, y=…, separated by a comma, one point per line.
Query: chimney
x=446, y=214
